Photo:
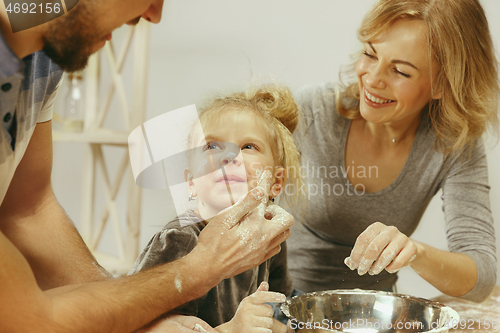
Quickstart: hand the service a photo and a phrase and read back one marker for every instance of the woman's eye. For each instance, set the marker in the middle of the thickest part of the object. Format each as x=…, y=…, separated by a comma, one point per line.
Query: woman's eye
x=401, y=73
x=368, y=55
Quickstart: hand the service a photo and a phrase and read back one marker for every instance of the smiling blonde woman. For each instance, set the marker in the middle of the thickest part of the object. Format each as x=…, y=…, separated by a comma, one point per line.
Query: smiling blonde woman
x=427, y=89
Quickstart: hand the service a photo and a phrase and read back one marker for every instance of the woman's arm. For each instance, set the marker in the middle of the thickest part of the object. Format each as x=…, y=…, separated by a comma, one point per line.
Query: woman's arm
x=454, y=274
x=382, y=247
x=469, y=222
x=468, y=269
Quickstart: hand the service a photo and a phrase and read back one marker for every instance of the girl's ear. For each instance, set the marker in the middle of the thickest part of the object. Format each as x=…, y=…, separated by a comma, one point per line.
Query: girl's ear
x=188, y=177
x=279, y=181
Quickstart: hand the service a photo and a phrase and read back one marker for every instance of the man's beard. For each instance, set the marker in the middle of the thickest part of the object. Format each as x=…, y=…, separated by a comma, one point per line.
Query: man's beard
x=69, y=40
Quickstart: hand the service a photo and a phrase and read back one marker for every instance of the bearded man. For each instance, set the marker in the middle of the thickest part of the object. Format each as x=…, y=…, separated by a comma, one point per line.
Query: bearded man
x=49, y=281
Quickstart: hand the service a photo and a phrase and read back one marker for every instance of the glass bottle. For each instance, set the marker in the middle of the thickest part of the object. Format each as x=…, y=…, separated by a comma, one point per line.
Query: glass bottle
x=73, y=108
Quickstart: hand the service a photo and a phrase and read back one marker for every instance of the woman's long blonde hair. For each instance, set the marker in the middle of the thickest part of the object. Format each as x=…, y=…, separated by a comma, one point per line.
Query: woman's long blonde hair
x=467, y=68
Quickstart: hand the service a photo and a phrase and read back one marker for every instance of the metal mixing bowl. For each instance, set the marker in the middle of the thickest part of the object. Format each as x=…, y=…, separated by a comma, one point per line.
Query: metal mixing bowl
x=367, y=311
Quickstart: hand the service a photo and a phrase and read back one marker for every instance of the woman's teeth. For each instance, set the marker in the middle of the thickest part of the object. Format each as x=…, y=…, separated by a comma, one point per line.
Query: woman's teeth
x=377, y=100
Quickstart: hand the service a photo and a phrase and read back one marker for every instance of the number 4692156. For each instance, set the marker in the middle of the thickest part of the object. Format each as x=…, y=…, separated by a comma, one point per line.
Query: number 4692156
x=32, y=8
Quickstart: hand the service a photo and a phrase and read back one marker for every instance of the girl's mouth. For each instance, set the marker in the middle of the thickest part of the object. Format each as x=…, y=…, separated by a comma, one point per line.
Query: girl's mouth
x=231, y=179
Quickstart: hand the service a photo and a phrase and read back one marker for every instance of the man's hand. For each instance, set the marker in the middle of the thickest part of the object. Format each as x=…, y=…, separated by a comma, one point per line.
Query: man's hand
x=246, y=234
x=381, y=247
x=179, y=324
x=253, y=314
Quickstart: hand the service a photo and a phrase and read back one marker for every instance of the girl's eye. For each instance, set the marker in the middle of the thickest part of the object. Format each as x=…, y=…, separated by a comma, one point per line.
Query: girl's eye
x=250, y=146
x=212, y=145
x=401, y=73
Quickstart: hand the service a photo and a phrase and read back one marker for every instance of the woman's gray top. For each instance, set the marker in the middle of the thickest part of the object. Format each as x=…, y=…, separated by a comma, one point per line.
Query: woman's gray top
x=337, y=213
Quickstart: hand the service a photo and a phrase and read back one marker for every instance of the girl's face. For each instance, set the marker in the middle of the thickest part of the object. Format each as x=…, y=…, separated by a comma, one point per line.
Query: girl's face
x=394, y=74
x=241, y=136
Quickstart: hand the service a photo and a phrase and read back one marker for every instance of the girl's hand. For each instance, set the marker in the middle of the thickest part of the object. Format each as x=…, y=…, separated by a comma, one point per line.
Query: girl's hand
x=253, y=315
x=179, y=324
x=381, y=247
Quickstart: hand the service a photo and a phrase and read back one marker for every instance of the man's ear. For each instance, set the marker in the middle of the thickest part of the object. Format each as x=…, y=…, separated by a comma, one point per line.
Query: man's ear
x=279, y=181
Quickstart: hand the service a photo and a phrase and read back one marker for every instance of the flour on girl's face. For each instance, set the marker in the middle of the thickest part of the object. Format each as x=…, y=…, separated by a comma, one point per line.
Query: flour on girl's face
x=223, y=187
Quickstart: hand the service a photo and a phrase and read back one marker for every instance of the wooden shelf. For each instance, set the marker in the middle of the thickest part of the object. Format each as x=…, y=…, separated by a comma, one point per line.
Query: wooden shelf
x=106, y=137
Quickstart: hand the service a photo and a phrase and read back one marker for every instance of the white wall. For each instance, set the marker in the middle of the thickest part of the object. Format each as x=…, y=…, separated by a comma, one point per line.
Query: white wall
x=205, y=46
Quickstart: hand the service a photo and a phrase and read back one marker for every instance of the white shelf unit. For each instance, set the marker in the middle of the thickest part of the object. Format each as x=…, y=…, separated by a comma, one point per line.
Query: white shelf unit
x=94, y=137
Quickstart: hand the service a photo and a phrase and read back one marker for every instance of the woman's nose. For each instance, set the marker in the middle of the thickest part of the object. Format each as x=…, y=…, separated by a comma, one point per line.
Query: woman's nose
x=375, y=77
x=153, y=13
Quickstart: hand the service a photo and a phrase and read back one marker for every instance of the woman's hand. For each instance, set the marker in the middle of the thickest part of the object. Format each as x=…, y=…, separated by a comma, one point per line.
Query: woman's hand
x=253, y=315
x=381, y=247
x=179, y=324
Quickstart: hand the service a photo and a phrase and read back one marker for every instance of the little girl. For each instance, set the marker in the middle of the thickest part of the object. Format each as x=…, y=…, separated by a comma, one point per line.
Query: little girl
x=255, y=127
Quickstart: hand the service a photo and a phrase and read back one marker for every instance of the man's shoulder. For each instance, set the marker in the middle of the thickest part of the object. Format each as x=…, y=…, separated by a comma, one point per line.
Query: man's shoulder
x=39, y=67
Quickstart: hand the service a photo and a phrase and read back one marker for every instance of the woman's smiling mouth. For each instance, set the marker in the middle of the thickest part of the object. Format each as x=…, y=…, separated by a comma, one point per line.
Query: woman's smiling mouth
x=375, y=101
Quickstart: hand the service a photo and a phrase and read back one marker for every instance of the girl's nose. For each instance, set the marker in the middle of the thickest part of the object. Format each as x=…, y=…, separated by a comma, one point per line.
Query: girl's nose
x=232, y=159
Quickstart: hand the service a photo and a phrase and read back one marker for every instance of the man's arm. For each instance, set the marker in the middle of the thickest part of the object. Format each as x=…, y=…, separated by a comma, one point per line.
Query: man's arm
x=32, y=219
x=126, y=304
x=114, y=305
x=119, y=305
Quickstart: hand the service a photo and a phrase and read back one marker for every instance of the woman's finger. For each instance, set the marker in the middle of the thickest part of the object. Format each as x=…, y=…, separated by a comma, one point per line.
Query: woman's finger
x=386, y=257
x=362, y=243
x=380, y=237
x=393, y=241
x=405, y=257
